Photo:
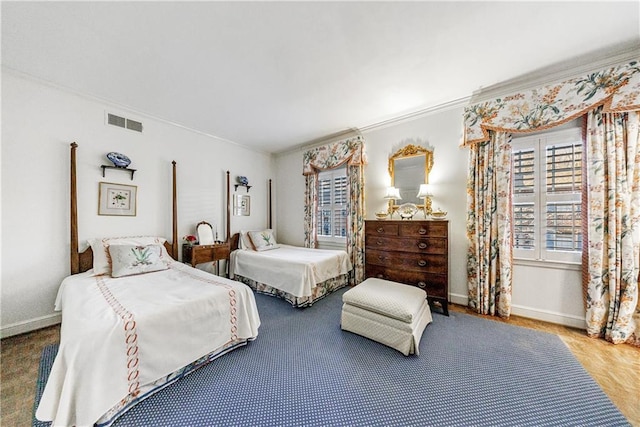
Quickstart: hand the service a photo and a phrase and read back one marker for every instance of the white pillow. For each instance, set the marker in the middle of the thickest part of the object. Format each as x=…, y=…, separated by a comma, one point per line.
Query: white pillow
x=244, y=241
x=127, y=260
x=101, y=257
x=263, y=240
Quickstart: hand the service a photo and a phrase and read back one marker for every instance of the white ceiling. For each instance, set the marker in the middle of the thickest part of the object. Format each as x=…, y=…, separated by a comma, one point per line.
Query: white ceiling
x=273, y=75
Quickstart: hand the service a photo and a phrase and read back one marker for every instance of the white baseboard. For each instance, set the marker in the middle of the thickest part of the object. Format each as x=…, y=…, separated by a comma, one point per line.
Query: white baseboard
x=533, y=313
x=550, y=316
x=30, y=325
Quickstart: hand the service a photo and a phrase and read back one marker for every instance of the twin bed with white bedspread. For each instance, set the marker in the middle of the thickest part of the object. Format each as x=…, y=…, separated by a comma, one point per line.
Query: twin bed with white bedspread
x=299, y=275
x=124, y=338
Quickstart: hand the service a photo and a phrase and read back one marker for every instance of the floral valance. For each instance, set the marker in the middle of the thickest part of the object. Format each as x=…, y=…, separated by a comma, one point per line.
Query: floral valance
x=333, y=155
x=618, y=88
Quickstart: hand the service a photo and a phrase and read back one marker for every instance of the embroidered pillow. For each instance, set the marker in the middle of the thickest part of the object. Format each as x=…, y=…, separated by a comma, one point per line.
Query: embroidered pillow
x=263, y=240
x=101, y=261
x=244, y=241
x=128, y=260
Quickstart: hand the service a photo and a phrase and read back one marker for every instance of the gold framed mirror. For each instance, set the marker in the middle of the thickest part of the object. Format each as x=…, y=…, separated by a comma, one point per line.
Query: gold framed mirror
x=409, y=167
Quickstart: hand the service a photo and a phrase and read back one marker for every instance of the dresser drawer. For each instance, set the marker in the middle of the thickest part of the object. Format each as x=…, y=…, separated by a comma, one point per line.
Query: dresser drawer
x=423, y=228
x=433, y=263
x=381, y=228
x=420, y=245
x=434, y=284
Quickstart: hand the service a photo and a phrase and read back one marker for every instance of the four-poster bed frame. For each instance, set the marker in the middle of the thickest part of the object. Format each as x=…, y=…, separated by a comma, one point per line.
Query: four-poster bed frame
x=83, y=261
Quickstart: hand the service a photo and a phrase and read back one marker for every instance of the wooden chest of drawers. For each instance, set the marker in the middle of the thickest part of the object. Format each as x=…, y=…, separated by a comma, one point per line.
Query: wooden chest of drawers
x=411, y=252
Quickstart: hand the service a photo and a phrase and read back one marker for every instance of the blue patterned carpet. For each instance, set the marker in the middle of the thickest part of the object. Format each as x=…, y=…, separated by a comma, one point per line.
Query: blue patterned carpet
x=303, y=370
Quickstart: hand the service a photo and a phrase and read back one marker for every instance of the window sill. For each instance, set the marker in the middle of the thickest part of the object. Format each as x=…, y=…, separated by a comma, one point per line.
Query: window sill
x=559, y=265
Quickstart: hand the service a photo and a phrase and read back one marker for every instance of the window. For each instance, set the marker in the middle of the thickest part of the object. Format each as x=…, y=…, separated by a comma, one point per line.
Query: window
x=332, y=204
x=547, y=188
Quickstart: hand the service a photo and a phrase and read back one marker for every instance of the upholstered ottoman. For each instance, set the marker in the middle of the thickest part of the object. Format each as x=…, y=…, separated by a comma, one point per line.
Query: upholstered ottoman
x=388, y=312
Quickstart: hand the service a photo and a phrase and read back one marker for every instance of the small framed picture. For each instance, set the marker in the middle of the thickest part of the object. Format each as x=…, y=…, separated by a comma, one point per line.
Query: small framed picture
x=241, y=205
x=117, y=199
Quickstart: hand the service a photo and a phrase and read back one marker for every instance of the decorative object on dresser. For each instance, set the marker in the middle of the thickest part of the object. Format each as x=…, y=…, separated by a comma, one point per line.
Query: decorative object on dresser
x=382, y=214
x=391, y=195
x=439, y=214
x=407, y=210
x=411, y=252
x=425, y=194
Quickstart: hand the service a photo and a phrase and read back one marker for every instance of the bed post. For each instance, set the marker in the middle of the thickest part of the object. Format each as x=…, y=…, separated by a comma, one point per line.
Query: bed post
x=75, y=255
x=269, y=195
x=228, y=210
x=174, y=219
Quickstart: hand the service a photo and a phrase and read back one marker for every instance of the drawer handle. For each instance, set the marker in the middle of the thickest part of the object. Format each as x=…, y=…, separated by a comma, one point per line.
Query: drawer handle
x=422, y=245
x=380, y=230
x=422, y=231
x=380, y=276
x=379, y=242
x=422, y=263
x=422, y=285
x=381, y=258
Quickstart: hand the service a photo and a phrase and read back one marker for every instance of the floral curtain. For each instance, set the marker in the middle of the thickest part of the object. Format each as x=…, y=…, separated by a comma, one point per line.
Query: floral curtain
x=489, y=260
x=613, y=165
x=613, y=218
x=617, y=88
x=350, y=151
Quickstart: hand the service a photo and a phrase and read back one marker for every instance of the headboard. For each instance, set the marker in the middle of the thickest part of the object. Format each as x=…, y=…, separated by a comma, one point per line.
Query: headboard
x=83, y=261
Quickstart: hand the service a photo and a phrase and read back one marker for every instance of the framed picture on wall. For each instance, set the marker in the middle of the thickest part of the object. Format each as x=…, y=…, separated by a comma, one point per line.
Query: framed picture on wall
x=241, y=204
x=117, y=199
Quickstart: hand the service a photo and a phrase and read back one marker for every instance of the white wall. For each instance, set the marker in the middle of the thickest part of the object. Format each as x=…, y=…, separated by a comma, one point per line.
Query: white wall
x=540, y=292
x=39, y=122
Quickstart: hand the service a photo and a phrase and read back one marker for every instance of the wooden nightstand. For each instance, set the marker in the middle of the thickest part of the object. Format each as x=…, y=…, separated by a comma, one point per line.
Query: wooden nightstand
x=198, y=254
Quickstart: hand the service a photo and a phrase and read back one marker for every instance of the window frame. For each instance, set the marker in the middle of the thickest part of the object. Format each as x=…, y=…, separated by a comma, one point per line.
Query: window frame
x=331, y=174
x=540, y=198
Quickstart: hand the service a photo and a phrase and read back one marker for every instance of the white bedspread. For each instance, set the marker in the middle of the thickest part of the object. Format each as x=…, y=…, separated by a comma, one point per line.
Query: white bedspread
x=120, y=333
x=291, y=269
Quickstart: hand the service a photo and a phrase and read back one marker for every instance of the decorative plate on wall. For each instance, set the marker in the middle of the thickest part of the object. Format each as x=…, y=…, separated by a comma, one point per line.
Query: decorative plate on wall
x=118, y=160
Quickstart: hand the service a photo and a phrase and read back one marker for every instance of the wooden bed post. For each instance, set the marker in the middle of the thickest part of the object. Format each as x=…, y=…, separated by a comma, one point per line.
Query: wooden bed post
x=228, y=210
x=269, y=195
x=174, y=219
x=75, y=255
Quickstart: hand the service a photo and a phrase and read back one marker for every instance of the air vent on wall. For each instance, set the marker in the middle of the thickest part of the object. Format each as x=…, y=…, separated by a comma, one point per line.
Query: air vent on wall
x=123, y=122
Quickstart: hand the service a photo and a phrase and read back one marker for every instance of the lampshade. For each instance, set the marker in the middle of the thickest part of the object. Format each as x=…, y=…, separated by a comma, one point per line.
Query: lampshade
x=424, y=191
x=392, y=194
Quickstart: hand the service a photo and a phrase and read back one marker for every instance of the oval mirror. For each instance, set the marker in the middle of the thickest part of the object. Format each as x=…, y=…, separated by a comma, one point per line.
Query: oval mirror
x=205, y=233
